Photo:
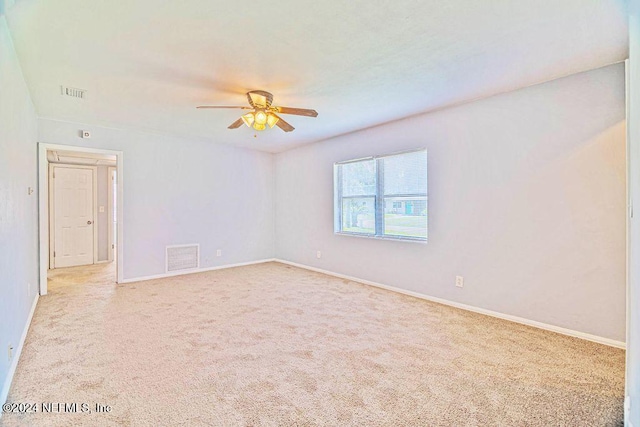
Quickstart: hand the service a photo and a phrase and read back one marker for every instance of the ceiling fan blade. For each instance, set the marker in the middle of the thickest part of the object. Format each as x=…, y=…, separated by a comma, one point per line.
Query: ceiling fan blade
x=236, y=124
x=284, y=125
x=260, y=98
x=297, y=111
x=224, y=106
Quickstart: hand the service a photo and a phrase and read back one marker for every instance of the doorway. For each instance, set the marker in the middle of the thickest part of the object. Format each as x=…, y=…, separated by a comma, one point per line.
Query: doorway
x=80, y=206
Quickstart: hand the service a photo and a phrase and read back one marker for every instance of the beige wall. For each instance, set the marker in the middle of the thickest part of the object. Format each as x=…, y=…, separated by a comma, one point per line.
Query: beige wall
x=526, y=201
x=182, y=190
x=18, y=208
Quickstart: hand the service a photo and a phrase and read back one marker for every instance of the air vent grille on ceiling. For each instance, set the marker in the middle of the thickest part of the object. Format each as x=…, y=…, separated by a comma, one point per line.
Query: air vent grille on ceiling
x=73, y=92
x=183, y=257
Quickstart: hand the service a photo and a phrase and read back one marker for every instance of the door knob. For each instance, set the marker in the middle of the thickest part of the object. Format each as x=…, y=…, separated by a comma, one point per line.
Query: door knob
x=89, y=222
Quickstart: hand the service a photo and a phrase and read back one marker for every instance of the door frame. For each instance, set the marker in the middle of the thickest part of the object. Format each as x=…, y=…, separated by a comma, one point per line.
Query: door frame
x=110, y=250
x=43, y=207
x=52, y=202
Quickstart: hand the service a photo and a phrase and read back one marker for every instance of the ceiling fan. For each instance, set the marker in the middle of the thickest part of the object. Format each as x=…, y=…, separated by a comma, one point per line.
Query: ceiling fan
x=264, y=113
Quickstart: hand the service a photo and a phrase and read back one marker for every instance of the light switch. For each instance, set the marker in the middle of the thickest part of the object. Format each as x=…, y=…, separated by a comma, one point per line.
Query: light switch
x=101, y=209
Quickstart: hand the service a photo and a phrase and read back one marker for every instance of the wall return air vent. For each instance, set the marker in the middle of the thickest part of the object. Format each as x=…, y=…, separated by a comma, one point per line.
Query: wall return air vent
x=183, y=257
x=73, y=92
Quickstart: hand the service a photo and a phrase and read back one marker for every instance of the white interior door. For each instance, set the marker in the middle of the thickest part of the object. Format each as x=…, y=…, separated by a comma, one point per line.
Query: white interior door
x=73, y=216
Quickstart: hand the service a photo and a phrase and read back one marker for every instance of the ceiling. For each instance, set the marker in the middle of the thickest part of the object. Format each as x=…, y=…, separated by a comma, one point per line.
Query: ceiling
x=147, y=64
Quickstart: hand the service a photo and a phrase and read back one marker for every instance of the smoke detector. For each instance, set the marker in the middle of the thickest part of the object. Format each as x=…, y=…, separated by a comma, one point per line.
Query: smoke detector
x=73, y=92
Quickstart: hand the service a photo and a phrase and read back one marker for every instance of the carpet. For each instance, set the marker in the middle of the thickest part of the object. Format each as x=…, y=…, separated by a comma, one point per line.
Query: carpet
x=274, y=345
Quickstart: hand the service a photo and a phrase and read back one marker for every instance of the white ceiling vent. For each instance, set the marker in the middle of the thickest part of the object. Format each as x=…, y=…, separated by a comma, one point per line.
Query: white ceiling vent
x=73, y=92
x=183, y=257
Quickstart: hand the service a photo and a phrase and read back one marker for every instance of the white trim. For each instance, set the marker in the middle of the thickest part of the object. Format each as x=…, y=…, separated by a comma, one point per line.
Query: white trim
x=193, y=271
x=509, y=317
x=50, y=221
x=14, y=363
x=43, y=217
x=120, y=214
x=627, y=100
x=43, y=206
x=380, y=156
x=110, y=251
x=383, y=237
x=94, y=169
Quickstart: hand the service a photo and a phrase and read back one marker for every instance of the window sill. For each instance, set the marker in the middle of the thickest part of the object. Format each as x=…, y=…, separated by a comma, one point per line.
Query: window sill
x=373, y=237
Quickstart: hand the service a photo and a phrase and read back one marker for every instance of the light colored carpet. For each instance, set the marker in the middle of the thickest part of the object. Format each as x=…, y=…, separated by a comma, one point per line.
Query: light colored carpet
x=273, y=345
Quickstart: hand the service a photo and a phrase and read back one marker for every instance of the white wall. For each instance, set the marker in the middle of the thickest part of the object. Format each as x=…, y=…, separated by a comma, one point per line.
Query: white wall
x=18, y=209
x=633, y=334
x=179, y=191
x=526, y=201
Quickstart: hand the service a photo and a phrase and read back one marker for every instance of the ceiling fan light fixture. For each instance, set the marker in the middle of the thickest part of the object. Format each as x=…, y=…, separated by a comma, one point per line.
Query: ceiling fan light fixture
x=261, y=117
x=248, y=119
x=272, y=119
x=263, y=113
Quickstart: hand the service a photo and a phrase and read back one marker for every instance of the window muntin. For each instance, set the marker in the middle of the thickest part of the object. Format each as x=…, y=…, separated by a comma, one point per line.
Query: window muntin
x=384, y=196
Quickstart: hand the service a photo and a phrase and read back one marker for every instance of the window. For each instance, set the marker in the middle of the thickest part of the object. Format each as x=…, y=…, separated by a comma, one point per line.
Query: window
x=384, y=196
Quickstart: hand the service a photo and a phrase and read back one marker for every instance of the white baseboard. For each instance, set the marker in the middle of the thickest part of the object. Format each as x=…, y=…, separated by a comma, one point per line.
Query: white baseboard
x=16, y=357
x=195, y=270
x=516, y=319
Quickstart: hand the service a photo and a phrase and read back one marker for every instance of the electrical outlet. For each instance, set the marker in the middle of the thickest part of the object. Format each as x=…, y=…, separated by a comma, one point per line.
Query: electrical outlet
x=318, y=254
x=219, y=252
x=10, y=352
x=459, y=281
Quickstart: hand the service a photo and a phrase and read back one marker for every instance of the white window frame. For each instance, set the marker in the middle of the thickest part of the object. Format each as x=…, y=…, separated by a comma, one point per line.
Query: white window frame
x=378, y=197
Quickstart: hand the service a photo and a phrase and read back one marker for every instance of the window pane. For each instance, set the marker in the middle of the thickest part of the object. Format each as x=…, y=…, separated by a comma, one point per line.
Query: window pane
x=405, y=216
x=359, y=178
x=405, y=173
x=358, y=215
